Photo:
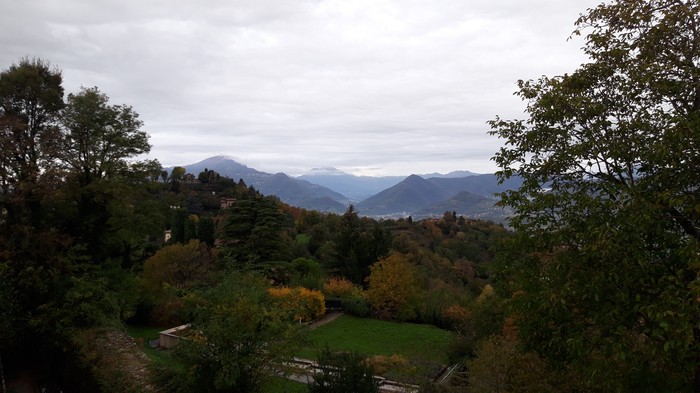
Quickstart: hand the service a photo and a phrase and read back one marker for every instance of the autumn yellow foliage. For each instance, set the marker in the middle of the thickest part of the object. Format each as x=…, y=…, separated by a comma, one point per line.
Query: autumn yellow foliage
x=383, y=364
x=485, y=293
x=394, y=287
x=340, y=287
x=303, y=304
x=458, y=316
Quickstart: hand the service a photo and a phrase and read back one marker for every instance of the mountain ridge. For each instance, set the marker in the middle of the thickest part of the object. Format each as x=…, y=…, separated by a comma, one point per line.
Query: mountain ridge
x=411, y=194
x=329, y=189
x=359, y=188
x=290, y=190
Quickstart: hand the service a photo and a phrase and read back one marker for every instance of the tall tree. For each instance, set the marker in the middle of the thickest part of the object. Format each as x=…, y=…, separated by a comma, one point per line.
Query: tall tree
x=206, y=230
x=394, y=287
x=31, y=97
x=51, y=289
x=99, y=136
x=359, y=243
x=254, y=233
x=171, y=274
x=608, y=217
x=346, y=245
x=178, y=226
x=177, y=173
x=99, y=140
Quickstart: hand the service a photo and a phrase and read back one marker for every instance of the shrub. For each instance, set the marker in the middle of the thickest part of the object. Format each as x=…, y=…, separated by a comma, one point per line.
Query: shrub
x=306, y=273
x=238, y=335
x=343, y=372
x=351, y=296
x=459, y=318
x=460, y=348
x=382, y=364
x=339, y=287
x=302, y=304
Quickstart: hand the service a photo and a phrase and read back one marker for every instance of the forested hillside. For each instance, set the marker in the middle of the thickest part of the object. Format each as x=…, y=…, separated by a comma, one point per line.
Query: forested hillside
x=594, y=287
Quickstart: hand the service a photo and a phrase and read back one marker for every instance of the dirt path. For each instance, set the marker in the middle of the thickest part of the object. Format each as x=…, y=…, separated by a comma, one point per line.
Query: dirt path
x=117, y=360
x=328, y=318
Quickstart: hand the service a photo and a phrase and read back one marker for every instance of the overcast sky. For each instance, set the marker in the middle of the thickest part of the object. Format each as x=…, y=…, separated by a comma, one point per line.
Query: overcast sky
x=367, y=86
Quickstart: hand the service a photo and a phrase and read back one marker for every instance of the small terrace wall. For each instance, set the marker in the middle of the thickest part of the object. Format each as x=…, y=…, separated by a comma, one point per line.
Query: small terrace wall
x=169, y=338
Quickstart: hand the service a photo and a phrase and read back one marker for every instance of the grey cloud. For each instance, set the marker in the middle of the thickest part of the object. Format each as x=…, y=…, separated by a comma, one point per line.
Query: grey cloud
x=364, y=85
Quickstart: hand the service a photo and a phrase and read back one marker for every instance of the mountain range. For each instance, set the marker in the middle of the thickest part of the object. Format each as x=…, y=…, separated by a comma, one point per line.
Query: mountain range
x=359, y=188
x=332, y=190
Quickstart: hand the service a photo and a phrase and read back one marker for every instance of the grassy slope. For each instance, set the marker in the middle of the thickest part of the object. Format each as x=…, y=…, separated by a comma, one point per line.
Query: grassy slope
x=282, y=385
x=375, y=337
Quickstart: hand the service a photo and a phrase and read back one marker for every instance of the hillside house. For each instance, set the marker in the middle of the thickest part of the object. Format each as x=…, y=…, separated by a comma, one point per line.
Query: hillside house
x=227, y=202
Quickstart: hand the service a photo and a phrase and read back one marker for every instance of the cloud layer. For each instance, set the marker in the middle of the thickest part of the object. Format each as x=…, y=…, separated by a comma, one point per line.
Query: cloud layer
x=367, y=86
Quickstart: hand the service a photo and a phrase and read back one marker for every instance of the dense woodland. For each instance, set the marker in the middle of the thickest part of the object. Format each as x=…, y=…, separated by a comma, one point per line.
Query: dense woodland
x=594, y=288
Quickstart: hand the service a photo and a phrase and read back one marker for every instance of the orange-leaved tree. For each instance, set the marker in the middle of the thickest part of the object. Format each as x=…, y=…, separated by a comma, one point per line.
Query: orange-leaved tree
x=170, y=274
x=394, y=287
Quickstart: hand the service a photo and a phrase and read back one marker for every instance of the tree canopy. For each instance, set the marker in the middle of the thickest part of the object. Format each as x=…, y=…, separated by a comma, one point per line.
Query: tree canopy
x=31, y=98
x=65, y=244
x=239, y=337
x=99, y=136
x=394, y=287
x=254, y=232
x=608, y=217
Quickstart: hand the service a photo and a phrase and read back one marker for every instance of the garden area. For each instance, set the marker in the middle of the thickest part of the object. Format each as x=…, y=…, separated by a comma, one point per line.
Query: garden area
x=401, y=351
x=397, y=350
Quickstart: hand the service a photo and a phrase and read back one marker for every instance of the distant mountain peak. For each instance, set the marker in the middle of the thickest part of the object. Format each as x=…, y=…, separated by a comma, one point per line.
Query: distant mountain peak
x=222, y=157
x=414, y=178
x=453, y=174
x=326, y=171
x=224, y=165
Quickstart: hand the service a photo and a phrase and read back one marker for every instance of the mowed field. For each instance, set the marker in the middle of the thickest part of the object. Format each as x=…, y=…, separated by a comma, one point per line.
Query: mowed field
x=375, y=337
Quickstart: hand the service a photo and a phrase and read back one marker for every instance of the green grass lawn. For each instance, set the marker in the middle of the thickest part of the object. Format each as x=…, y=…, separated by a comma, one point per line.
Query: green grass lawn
x=144, y=332
x=303, y=239
x=282, y=385
x=375, y=337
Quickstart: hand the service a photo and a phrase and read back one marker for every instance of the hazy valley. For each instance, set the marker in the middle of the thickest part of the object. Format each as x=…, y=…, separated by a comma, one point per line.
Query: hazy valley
x=331, y=190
